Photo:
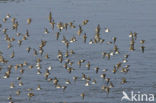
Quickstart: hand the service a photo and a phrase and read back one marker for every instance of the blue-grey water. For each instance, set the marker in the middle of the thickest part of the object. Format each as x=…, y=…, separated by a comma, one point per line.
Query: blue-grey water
x=120, y=16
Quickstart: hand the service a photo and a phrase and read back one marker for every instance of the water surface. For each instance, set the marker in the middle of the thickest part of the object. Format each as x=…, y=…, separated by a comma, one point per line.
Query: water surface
x=121, y=16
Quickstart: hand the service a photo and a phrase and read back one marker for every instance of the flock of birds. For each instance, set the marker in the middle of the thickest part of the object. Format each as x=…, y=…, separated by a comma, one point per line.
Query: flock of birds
x=62, y=57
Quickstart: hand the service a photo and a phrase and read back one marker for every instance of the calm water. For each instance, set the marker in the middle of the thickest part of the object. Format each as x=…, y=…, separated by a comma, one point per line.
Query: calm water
x=121, y=16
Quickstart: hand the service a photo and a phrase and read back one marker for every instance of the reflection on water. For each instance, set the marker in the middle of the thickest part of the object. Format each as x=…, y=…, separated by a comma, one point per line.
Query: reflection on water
x=137, y=15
